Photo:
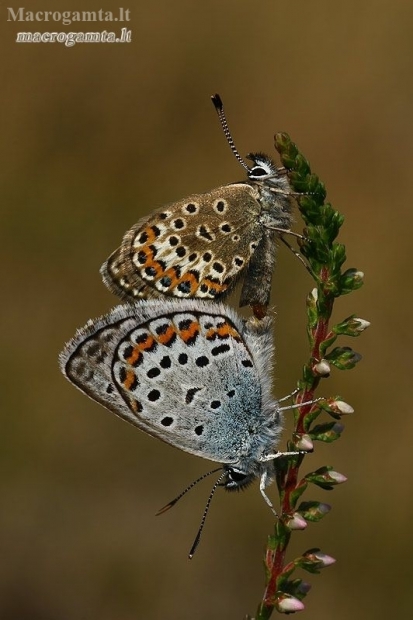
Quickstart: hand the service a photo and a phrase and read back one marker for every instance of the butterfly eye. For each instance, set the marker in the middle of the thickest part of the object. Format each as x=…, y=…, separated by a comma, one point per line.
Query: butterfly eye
x=257, y=171
x=237, y=479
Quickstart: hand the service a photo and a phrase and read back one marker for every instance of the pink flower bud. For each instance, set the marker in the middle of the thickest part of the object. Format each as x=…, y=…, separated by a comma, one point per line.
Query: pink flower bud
x=341, y=407
x=289, y=604
x=296, y=522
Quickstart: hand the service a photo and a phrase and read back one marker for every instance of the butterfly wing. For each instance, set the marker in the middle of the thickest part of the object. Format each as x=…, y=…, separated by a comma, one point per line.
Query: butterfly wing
x=197, y=247
x=187, y=372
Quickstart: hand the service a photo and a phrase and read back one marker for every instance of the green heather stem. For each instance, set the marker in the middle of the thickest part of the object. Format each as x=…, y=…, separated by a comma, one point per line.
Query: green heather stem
x=325, y=258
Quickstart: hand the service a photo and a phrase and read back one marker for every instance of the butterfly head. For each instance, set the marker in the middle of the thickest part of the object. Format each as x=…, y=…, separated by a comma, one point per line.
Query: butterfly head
x=264, y=169
x=262, y=166
x=241, y=476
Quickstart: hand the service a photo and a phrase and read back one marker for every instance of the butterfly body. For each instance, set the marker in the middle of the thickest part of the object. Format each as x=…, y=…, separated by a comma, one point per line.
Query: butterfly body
x=201, y=246
x=189, y=372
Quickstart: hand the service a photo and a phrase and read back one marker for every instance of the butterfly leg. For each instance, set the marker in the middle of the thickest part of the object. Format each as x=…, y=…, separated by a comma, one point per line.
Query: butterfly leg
x=263, y=484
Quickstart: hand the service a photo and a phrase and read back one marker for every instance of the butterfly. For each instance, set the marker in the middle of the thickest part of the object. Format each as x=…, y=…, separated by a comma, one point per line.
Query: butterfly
x=191, y=373
x=199, y=247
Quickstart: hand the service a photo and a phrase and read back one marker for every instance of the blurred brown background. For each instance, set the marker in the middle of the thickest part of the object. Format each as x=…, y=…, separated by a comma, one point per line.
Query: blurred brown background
x=95, y=136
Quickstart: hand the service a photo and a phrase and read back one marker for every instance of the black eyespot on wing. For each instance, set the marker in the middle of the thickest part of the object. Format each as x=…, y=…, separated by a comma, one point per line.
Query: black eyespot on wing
x=203, y=232
x=189, y=397
x=165, y=281
x=180, y=251
x=247, y=363
x=218, y=267
x=202, y=361
x=220, y=206
x=153, y=372
x=167, y=421
x=184, y=287
x=199, y=429
x=154, y=395
x=141, y=257
x=178, y=223
x=161, y=329
x=222, y=348
x=165, y=362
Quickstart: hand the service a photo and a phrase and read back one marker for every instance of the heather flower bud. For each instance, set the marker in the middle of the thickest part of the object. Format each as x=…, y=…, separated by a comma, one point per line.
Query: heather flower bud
x=322, y=368
x=352, y=326
x=361, y=324
x=351, y=280
x=288, y=604
x=322, y=559
x=303, y=442
x=296, y=522
x=336, y=477
x=314, y=560
x=339, y=406
x=325, y=477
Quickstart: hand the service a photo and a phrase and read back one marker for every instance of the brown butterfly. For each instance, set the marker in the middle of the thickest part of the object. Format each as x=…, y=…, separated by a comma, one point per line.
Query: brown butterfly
x=199, y=247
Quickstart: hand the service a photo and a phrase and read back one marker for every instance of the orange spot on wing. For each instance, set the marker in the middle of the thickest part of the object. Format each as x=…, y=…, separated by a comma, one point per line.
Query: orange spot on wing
x=151, y=234
x=148, y=344
x=171, y=273
x=190, y=332
x=193, y=281
x=167, y=336
x=130, y=379
x=223, y=331
x=220, y=288
x=135, y=405
x=135, y=355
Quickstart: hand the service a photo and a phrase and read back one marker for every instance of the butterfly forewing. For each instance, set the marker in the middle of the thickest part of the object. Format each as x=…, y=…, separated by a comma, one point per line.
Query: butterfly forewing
x=185, y=372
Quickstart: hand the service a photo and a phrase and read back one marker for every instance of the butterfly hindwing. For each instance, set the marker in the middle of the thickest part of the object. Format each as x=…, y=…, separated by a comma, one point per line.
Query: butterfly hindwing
x=195, y=248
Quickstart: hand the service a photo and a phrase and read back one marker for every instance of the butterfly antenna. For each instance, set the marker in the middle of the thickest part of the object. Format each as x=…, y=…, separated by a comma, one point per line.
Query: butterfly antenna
x=173, y=502
x=219, y=106
x=204, y=516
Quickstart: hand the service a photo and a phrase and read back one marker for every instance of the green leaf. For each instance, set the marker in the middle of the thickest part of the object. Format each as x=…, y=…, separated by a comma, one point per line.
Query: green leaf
x=343, y=358
x=328, y=432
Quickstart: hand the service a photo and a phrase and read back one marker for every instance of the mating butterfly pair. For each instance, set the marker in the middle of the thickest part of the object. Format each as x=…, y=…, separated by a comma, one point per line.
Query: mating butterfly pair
x=185, y=369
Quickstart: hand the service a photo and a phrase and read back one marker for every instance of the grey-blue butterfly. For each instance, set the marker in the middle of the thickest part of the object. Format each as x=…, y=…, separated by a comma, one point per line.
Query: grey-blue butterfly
x=191, y=373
